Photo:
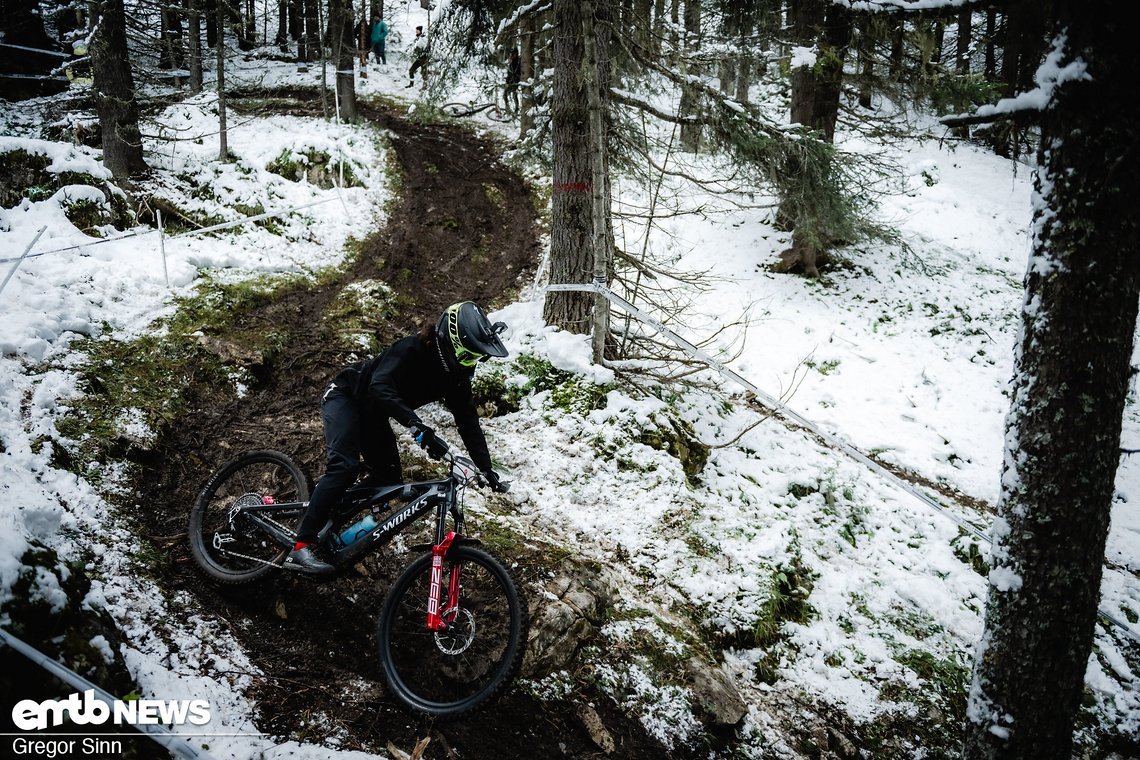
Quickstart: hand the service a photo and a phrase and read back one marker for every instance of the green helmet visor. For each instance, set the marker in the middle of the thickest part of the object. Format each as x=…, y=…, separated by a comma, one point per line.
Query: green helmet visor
x=469, y=358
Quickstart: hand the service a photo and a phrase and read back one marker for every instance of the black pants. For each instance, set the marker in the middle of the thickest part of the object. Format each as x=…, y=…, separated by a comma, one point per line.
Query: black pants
x=351, y=433
x=511, y=95
x=419, y=63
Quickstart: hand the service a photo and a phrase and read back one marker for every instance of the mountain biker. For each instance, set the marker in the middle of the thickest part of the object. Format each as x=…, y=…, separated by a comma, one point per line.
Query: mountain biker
x=436, y=364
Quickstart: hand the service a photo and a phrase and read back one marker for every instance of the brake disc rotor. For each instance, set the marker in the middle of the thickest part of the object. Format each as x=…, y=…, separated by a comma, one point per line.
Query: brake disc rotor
x=460, y=633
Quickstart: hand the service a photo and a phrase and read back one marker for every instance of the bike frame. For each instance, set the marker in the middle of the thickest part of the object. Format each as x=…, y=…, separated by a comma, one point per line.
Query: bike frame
x=440, y=495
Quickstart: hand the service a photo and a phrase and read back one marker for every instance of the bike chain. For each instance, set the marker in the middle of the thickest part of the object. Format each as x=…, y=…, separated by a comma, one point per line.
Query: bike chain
x=258, y=560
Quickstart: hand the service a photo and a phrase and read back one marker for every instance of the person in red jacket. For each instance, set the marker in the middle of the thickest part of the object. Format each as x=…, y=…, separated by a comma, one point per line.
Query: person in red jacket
x=436, y=364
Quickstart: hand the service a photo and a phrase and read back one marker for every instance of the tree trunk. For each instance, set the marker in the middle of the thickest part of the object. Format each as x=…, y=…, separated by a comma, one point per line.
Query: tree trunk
x=340, y=20
x=601, y=245
x=989, y=70
x=690, y=133
x=816, y=89
x=174, y=28
x=675, y=19
x=1070, y=383
x=895, y=70
x=865, y=47
x=726, y=76
x=657, y=35
x=210, y=11
x=223, y=137
x=1023, y=43
x=596, y=33
x=250, y=36
x=744, y=62
x=311, y=31
x=570, y=204
x=642, y=26
x=115, y=94
x=194, y=43
x=297, y=30
x=815, y=105
x=282, y=38
x=962, y=51
x=526, y=75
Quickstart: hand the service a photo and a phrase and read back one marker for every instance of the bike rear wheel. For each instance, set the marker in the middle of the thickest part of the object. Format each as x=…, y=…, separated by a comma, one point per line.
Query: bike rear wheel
x=230, y=547
x=448, y=674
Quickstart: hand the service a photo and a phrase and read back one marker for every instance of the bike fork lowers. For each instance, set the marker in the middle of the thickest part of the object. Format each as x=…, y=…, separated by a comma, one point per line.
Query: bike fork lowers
x=435, y=621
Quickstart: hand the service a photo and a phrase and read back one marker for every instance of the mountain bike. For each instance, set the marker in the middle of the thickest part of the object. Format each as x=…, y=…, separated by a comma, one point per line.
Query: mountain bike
x=451, y=631
x=490, y=110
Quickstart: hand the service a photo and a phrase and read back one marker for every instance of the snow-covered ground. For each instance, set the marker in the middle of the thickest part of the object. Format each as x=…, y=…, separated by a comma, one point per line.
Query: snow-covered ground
x=903, y=355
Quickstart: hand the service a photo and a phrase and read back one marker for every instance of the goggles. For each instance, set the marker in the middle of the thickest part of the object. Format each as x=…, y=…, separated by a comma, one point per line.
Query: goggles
x=469, y=358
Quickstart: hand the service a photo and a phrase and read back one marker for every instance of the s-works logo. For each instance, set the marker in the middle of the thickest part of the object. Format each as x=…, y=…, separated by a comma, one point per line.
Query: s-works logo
x=89, y=710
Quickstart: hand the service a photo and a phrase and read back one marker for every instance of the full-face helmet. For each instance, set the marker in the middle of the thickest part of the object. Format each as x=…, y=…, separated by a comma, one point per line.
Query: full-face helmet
x=465, y=328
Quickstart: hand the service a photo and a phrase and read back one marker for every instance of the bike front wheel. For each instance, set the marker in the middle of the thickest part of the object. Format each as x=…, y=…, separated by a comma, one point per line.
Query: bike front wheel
x=497, y=114
x=457, y=109
x=449, y=673
x=230, y=546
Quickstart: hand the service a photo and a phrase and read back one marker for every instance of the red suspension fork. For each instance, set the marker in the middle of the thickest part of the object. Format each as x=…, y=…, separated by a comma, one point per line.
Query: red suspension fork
x=435, y=621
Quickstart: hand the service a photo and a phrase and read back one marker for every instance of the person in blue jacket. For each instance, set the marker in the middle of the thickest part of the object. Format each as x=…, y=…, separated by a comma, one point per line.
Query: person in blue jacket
x=379, y=38
x=436, y=364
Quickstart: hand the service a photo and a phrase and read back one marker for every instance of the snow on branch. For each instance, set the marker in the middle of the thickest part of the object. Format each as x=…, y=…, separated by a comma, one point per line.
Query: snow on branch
x=1052, y=73
x=510, y=22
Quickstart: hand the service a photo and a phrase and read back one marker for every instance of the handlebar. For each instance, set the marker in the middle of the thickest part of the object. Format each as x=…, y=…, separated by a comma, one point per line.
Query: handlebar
x=471, y=472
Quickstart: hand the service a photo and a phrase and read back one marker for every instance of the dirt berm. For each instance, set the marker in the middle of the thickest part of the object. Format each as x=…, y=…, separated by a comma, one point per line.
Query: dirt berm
x=464, y=227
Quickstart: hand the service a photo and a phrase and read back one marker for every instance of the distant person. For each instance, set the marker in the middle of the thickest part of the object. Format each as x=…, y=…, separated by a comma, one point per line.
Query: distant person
x=419, y=57
x=379, y=38
x=436, y=364
x=514, y=75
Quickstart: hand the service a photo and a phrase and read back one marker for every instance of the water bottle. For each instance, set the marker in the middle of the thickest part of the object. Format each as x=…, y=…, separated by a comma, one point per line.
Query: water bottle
x=357, y=529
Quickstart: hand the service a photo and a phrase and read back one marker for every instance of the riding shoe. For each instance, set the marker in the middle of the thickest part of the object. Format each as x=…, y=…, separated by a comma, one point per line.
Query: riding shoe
x=304, y=560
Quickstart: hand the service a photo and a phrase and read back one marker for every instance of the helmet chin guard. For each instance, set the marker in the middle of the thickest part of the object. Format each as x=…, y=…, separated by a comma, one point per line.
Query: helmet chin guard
x=466, y=330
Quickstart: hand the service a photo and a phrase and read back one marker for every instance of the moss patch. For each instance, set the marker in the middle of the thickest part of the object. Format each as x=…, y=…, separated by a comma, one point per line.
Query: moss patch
x=314, y=166
x=135, y=389
x=26, y=175
x=679, y=439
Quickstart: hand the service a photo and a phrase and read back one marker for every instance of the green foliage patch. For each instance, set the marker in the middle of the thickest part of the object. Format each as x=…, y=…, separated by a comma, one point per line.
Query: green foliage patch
x=314, y=166
x=500, y=389
x=26, y=175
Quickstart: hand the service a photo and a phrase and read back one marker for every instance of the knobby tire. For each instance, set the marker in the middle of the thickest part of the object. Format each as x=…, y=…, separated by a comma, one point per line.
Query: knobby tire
x=450, y=674
x=249, y=553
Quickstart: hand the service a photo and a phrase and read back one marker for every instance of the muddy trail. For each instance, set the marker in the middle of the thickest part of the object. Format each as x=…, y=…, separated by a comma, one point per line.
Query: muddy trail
x=465, y=227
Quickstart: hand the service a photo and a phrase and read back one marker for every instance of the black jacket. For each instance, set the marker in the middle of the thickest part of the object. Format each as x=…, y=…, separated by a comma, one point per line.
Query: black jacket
x=412, y=373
